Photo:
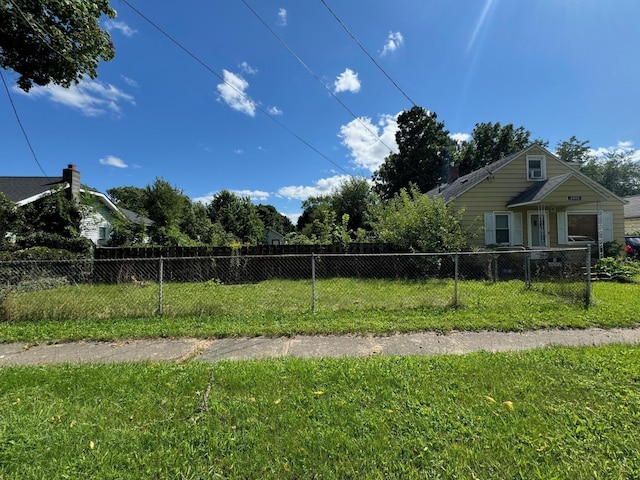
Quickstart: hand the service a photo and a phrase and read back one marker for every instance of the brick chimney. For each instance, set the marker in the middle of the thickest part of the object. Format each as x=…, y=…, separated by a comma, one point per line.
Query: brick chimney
x=71, y=175
x=452, y=173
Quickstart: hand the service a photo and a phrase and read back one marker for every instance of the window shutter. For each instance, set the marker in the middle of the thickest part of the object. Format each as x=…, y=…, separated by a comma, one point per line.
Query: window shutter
x=562, y=228
x=607, y=226
x=516, y=234
x=489, y=229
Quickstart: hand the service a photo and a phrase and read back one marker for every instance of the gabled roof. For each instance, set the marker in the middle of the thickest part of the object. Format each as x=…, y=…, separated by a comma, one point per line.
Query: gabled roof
x=538, y=191
x=23, y=190
x=470, y=180
x=462, y=184
x=632, y=208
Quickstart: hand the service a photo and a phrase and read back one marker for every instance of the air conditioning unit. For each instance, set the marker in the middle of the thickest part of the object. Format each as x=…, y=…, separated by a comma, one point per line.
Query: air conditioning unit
x=535, y=173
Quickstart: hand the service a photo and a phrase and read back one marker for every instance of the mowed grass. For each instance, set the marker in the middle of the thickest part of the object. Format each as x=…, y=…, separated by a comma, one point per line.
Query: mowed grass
x=280, y=307
x=551, y=413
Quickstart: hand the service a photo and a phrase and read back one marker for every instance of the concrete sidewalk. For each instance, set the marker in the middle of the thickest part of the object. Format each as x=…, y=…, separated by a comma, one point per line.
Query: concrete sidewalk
x=190, y=349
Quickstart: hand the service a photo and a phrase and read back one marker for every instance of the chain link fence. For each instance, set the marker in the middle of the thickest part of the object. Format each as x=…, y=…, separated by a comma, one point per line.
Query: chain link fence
x=253, y=285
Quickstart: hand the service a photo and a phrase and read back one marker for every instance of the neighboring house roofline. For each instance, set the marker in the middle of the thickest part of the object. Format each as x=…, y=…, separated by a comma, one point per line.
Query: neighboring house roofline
x=632, y=208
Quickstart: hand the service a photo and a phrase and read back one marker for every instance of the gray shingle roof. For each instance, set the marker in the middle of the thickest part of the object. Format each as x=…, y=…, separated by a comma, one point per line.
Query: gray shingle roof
x=462, y=184
x=632, y=209
x=539, y=190
x=21, y=188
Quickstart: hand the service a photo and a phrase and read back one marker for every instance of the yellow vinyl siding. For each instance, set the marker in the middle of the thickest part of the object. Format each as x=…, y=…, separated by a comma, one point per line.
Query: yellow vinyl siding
x=493, y=194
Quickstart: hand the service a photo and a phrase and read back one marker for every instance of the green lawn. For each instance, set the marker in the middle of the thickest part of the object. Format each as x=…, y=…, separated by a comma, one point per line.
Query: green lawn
x=280, y=307
x=551, y=413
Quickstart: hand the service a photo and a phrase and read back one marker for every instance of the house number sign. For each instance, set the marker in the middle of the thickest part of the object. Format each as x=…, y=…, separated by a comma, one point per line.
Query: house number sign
x=574, y=197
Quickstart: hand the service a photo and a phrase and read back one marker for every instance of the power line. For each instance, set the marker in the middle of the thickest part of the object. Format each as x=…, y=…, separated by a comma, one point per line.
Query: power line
x=367, y=53
x=306, y=67
x=240, y=92
x=24, y=132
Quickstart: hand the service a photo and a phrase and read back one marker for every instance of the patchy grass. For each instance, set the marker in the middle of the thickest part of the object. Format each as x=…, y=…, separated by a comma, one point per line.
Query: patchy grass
x=108, y=312
x=552, y=413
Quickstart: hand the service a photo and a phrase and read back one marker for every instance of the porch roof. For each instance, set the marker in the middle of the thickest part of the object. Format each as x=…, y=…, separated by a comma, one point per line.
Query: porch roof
x=540, y=191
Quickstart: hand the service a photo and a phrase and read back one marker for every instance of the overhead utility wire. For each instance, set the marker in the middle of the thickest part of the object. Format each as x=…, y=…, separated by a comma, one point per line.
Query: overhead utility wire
x=367, y=53
x=304, y=65
x=24, y=132
x=240, y=92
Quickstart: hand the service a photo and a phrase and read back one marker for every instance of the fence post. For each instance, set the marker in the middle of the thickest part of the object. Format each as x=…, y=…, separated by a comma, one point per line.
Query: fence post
x=313, y=282
x=455, y=280
x=527, y=269
x=587, y=295
x=160, y=278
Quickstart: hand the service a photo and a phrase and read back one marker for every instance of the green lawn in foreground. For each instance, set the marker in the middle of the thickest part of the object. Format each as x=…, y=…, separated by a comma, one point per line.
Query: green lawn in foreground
x=552, y=413
x=283, y=308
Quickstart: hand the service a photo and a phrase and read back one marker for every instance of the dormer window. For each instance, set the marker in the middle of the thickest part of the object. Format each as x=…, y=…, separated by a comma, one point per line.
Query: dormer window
x=536, y=168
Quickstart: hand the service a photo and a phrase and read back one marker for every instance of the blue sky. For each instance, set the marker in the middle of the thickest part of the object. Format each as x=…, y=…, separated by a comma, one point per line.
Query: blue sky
x=280, y=102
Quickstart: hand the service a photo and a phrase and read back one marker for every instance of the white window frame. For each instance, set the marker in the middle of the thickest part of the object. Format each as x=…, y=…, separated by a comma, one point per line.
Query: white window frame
x=514, y=220
x=103, y=232
x=563, y=226
x=541, y=174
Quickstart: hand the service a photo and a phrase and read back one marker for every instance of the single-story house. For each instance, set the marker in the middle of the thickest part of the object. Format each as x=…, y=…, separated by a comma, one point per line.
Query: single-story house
x=532, y=199
x=632, y=214
x=96, y=225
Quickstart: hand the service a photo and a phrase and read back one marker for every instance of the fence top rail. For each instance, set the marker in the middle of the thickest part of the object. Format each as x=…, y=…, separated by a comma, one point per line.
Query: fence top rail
x=298, y=255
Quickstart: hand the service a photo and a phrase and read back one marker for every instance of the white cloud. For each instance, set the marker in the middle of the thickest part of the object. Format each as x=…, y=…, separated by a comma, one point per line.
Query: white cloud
x=238, y=151
x=460, y=137
x=347, y=81
x=367, y=150
x=394, y=41
x=246, y=68
x=122, y=27
x=129, y=81
x=282, y=17
x=92, y=98
x=293, y=217
x=112, y=161
x=324, y=186
x=275, y=111
x=232, y=92
x=253, y=194
x=623, y=147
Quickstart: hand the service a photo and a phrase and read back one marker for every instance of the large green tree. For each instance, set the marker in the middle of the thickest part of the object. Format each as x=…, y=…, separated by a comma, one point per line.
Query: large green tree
x=129, y=197
x=274, y=220
x=54, y=41
x=489, y=143
x=617, y=171
x=424, y=149
x=353, y=198
x=574, y=151
x=237, y=215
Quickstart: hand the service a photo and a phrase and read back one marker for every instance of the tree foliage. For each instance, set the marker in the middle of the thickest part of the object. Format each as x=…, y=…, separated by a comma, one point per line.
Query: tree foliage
x=9, y=217
x=424, y=149
x=129, y=197
x=334, y=217
x=54, y=41
x=274, y=220
x=412, y=221
x=237, y=216
x=617, y=171
x=489, y=143
x=574, y=151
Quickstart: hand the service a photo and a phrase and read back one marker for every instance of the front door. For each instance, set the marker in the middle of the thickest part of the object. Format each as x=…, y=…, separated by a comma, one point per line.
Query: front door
x=538, y=234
